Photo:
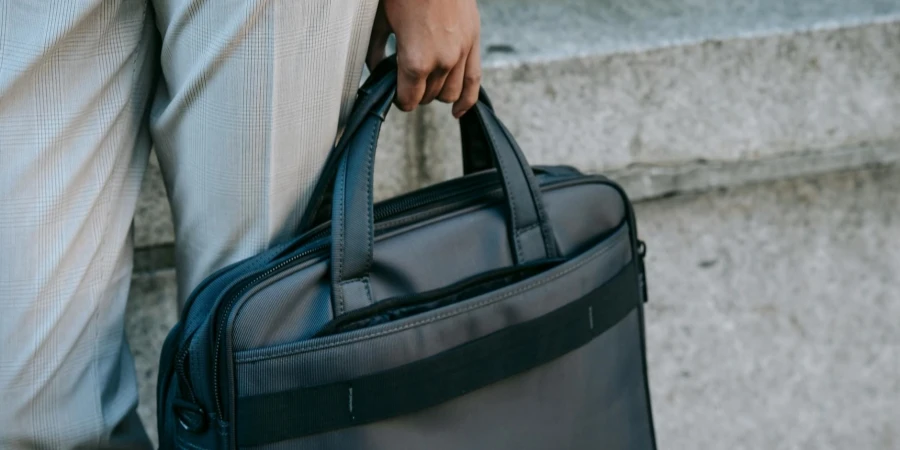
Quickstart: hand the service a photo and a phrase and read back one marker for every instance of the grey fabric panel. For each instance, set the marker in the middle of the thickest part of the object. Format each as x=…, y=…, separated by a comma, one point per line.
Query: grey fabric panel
x=367, y=351
x=433, y=254
x=592, y=398
x=301, y=302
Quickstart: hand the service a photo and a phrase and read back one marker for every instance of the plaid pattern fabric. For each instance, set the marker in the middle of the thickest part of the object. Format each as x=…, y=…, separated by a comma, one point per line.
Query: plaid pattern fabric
x=249, y=95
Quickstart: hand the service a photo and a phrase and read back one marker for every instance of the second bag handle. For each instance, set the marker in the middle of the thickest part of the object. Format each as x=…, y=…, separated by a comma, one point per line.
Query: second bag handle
x=352, y=215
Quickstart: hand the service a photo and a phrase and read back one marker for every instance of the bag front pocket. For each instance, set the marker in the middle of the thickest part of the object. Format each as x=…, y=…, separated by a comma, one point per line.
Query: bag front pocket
x=401, y=307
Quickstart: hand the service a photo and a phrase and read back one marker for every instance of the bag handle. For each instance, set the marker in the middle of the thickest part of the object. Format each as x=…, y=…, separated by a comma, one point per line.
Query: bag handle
x=352, y=221
x=377, y=84
x=476, y=155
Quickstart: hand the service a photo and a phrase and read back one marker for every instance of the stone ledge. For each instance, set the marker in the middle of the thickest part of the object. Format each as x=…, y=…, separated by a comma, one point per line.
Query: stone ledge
x=538, y=31
x=648, y=182
x=728, y=100
x=772, y=314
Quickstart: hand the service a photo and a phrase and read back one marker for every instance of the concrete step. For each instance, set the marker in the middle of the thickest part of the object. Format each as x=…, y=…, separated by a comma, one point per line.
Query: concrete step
x=772, y=320
x=605, y=85
x=517, y=31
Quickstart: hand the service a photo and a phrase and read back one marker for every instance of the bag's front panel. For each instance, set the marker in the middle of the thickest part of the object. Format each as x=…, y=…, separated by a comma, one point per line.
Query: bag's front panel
x=592, y=398
x=566, y=401
x=294, y=305
x=438, y=344
x=358, y=353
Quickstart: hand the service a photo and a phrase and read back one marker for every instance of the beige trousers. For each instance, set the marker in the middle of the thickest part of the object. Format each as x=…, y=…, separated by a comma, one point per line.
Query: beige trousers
x=242, y=100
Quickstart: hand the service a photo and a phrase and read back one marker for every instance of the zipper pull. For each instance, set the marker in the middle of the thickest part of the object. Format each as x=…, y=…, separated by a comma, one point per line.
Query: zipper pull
x=190, y=417
x=642, y=279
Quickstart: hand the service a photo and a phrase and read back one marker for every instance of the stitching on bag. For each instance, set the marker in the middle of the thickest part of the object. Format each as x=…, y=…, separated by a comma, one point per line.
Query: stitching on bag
x=342, y=172
x=369, y=157
x=512, y=202
x=480, y=304
x=370, y=186
x=369, y=298
x=364, y=282
x=528, y=228
x=546, y=233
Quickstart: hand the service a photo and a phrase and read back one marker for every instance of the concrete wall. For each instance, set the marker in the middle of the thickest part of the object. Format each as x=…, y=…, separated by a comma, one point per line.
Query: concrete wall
x=773, y=314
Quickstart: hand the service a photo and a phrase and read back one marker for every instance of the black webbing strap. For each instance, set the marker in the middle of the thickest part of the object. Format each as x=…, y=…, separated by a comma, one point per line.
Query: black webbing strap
x=269, y=418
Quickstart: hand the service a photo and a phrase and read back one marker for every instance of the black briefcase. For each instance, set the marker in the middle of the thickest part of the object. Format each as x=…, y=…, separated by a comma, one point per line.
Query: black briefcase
x=500, y=310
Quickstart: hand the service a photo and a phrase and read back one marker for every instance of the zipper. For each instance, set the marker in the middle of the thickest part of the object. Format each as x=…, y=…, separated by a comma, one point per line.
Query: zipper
x=443, y=192
x=642, y=277
x=185, y=351
x=410, y=204
x=230, y=304
x=474, y=183
x=454, y=293
x=182, y=353
x=182, y=374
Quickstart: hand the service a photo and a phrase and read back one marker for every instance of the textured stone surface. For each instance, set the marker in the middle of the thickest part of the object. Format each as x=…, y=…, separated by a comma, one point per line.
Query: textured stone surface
x=538, y=30
x=773, y=313
x=151, y=314
x=772, y=320
x=647, y=181
x=730, y=99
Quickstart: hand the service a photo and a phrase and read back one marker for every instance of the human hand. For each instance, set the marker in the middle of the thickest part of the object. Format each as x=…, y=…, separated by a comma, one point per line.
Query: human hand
x=438, y=50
